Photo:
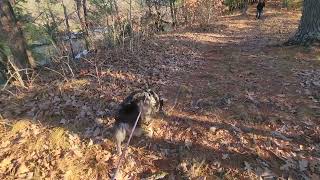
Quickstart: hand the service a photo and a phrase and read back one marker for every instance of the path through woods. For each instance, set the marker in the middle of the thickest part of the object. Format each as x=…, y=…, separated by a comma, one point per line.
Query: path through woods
x=247, y=107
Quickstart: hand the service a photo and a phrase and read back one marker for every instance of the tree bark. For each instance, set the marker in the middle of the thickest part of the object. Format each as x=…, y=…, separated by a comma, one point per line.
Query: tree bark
x=68, y=29
x=82, y=23
x=3, y=64
x=245, y=7
x=309, y=28
x=12, y=35
x=173, y=12
x=85, y=13
x=52, y=26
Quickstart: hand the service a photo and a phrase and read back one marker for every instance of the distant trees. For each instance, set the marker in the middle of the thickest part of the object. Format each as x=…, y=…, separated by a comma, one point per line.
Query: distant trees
x=39, y=23
x=309, y=28
x=239, y=4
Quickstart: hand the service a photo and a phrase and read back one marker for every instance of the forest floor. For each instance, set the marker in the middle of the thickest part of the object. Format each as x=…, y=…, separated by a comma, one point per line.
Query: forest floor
x=247, y=108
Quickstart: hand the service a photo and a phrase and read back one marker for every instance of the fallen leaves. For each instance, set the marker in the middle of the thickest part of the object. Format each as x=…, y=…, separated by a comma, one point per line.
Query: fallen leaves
x=247, y=117
x=5, y=164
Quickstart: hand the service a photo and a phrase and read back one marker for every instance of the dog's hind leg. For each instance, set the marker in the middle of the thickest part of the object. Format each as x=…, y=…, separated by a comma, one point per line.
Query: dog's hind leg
x=120, y=135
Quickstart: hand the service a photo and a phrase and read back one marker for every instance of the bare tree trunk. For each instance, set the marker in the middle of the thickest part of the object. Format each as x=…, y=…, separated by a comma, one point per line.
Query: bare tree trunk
x=185, y=12
x=85, y=14
x=309, y=28
x=285, y=3
x=131, y=24
x=12, y=35
x=245, y=7
x=3, y=64
x=52, y=29
x=173, y=13
x=83, y=24
x=115, y=6
x=68, y=28
x=78, y=6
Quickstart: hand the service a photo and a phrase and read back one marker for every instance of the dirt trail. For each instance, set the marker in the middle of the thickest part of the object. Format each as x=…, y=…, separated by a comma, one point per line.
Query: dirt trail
x=247, y=108
x=243, y=108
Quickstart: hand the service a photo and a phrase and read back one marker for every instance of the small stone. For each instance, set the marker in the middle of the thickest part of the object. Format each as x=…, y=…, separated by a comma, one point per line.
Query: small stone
x=316, y=83
x=225, y=156
x=213, y=129
x=63, y=121
x=96, y=132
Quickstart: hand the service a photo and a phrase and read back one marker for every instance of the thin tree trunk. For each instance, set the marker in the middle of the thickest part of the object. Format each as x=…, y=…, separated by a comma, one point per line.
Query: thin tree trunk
x=175, y=9
x=82, y=23
x=68, y=28
x=116, y=7
x=173, y=13
x=12, y=35
x=52, y=29
x=85, y=14
x=78, y=6
x=3, y=64
x=185, y=12
x=131, y=26
x=245, y=7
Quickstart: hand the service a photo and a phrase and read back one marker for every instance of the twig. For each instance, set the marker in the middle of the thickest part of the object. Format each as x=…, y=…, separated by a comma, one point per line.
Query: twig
x=97, y=73
x=12, y=76
x=55, y=71
x=3, y=121
x=5, y=85
x=68, y=28
x=37, y=17
x=10, y=92
x=70, y=68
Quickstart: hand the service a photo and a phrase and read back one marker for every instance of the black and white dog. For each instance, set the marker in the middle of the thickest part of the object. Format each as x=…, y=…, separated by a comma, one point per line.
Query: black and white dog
x=260, y=6
x=145, y=102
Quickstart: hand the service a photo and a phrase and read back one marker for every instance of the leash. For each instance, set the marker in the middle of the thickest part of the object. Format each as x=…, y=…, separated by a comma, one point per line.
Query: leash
x=127, y=145
x=175, y=100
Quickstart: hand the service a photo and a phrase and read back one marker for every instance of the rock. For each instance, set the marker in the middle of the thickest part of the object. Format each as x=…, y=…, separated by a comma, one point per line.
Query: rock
x=316, y=83
x=213, y=129
x=303, y=164
x=96, y=132
x=225, y=156
x=63, y=121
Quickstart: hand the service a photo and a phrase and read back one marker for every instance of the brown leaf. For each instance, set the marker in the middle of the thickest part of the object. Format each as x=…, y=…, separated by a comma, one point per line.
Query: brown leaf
x=22, y=169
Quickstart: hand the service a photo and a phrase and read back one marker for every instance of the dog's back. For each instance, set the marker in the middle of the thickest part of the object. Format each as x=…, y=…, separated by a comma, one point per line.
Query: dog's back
x=145, y=101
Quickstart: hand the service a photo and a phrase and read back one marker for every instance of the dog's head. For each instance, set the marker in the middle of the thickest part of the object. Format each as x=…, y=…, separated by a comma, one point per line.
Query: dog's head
x=156, y=101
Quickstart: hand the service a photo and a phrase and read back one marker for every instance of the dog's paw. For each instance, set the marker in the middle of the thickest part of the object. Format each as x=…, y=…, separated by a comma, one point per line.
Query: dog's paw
x=148, y=132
